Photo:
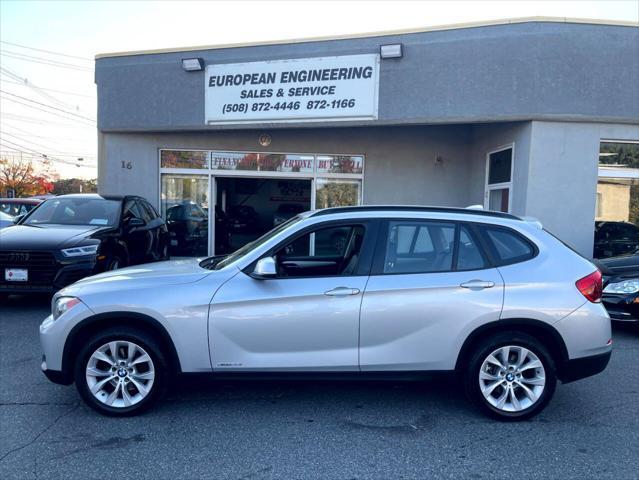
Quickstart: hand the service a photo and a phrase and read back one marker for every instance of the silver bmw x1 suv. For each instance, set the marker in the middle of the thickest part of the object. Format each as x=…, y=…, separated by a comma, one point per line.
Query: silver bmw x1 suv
x=359, y=291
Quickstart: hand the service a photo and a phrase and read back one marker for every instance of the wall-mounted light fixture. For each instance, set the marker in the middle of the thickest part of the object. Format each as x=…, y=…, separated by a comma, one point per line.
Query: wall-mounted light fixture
x=391, y=51
x=192, y=64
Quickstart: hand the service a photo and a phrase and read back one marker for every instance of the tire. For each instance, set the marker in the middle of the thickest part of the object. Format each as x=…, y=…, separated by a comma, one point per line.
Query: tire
x=131, y=389
x=113, y=263
x=515, y=392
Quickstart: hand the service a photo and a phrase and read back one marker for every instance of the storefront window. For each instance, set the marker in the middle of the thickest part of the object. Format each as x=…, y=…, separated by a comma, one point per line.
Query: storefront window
x=340, y=164
x=337, y=193
x=184, y=159
x=252, y=193
x=262, y=162
x=185, y=207
x=617, y=201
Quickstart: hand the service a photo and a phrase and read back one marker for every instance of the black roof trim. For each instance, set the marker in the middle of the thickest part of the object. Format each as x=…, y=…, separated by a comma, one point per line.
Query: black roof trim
x=400, y=208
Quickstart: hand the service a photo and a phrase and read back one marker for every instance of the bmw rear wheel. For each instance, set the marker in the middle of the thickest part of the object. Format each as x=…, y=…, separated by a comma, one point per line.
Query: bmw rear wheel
x=511, y=376
x=121, y=372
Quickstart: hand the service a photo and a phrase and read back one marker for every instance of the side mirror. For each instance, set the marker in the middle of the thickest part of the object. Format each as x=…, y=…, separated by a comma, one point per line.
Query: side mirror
x=265, y=268
x=17, y=219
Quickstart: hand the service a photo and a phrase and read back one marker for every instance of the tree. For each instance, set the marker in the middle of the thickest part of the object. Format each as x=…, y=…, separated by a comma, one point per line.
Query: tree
x=20, y=177
x=74, y=185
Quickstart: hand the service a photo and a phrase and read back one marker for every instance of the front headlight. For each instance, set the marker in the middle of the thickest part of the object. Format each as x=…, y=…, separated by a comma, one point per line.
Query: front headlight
x=63, y=305
x=626, y=286
x=80, y=251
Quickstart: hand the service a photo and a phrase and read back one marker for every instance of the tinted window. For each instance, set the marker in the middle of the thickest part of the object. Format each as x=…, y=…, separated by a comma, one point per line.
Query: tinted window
x=150, y=211
x=145, y=212
x=419, y=247
x=130, y=210
x=469, y=256
x=509, y=246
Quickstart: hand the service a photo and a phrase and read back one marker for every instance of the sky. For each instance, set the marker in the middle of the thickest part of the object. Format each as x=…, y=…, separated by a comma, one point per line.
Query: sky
x=48, y=100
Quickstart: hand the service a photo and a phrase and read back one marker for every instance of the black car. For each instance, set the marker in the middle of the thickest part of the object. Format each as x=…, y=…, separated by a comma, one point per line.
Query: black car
x=621, y=287
x=69, y=237
x=188, y=225
x=243, y=219
x=615, y=238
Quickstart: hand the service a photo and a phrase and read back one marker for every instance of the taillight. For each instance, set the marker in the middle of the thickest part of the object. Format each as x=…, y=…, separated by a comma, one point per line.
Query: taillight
x=591, y=286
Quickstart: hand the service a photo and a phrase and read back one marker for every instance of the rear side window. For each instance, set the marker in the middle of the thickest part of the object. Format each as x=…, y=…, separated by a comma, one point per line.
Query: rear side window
x=508, y=246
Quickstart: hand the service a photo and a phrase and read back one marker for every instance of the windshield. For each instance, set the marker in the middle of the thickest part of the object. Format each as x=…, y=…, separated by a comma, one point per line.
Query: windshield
x=224, y=261
x=76, y=211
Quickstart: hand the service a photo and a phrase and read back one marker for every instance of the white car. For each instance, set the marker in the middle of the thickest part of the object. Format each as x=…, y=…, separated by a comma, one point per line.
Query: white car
x=359, y=291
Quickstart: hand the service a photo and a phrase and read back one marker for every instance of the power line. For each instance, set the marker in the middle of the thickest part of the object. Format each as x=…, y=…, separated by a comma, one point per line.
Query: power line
x=46, y=51
x=22, y=148
x=53, y=63
x=40, y=121
x=48, y=106
x=26, y=83
x=38, y=144
x=44, y=59
x=7, y=72
x=55, y=140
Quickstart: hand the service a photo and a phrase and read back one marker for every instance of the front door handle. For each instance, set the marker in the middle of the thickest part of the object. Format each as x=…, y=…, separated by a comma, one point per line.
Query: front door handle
x=477, y=284
x=342, y=292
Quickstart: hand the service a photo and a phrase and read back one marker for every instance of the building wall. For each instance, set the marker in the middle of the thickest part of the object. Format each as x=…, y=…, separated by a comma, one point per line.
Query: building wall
x=489, y=137
x=562, y=176
x=401, y=164
x=520, y=71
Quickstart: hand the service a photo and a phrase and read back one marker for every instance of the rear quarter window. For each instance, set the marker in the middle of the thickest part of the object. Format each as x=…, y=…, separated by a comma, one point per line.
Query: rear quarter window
x=507, y=246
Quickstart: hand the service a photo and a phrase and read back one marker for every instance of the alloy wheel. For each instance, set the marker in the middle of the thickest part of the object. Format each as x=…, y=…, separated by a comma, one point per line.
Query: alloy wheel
x=512, y=378
x=120, y=374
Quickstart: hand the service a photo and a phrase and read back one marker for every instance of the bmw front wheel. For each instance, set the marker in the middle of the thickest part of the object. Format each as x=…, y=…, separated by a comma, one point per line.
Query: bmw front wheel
x=121, y=372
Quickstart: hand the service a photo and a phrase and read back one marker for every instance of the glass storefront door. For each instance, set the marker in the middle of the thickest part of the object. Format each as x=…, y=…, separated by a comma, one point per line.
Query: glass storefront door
x=232, y=197
x=185, y=208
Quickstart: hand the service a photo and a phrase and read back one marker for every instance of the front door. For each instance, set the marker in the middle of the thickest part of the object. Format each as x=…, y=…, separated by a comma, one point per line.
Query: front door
x=305, y=318
x=429, y=288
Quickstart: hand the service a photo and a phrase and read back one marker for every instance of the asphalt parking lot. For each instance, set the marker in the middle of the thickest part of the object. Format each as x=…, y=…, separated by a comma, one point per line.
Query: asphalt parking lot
x=309, y=430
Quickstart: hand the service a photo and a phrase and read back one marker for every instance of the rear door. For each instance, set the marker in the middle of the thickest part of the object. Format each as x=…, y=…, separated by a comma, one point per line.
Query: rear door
x=431, y=284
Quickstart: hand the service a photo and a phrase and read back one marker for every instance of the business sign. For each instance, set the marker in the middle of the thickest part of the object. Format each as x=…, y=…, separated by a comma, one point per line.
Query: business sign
x=306, y=89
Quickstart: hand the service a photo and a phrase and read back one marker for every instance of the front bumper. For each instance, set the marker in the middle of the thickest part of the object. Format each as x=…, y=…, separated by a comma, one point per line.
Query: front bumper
x=48, y=272
x=579, y=368
x=624, y=308
x=53, y=338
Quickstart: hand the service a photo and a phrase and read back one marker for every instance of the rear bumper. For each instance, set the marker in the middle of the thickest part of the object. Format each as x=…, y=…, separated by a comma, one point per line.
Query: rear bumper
x=578, y=368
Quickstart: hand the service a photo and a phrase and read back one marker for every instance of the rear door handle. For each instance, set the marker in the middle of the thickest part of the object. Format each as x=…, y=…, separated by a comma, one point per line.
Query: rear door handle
x=342, y=292
x=477, y=284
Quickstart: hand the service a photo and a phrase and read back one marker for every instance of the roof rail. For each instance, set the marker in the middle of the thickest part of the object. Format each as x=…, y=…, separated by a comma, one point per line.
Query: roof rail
x=413, y=208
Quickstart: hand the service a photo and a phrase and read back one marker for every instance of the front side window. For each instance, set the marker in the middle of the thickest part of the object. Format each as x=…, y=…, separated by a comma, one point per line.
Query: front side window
x=332, y=251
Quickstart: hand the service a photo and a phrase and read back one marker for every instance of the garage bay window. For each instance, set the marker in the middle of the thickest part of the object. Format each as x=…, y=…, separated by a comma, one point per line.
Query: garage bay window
x=617, y=202
x=218, y=201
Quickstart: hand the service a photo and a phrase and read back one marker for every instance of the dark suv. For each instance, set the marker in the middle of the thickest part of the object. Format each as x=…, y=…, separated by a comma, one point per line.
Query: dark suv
x=615, y=238
x=69, y=237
